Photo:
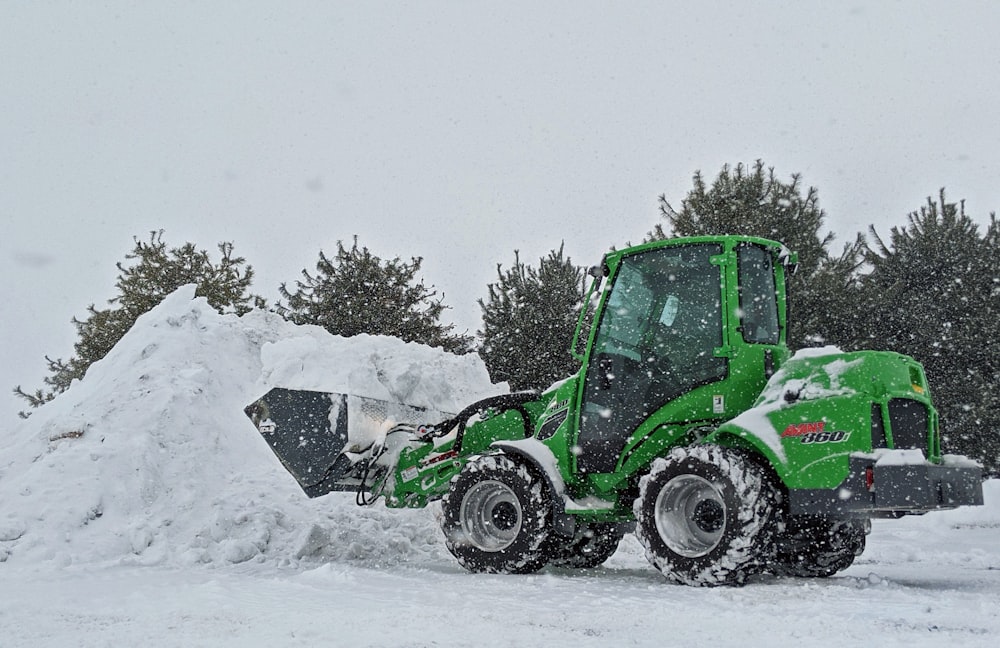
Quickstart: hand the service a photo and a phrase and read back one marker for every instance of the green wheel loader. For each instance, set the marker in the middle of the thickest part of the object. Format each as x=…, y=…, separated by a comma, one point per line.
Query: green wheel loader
x=689, y=422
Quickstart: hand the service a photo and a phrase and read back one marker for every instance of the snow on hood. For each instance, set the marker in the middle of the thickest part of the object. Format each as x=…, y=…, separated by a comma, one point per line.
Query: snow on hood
x=817, y=352
x=150, y=458
x=824, y=382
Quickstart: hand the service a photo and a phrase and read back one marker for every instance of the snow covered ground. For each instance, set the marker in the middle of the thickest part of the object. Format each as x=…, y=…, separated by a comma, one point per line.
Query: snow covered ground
x=142, y=508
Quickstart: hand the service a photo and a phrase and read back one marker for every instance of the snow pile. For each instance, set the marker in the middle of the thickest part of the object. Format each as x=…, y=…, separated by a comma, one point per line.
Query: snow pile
x=150, y=458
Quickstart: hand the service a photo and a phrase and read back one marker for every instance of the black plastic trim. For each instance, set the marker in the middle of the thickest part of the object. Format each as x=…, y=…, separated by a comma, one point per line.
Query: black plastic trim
x=897, y=489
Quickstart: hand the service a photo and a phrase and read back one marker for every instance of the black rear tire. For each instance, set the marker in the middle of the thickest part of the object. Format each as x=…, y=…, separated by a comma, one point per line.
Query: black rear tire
x=706, y=516
x=817, y=547
x=496, y=516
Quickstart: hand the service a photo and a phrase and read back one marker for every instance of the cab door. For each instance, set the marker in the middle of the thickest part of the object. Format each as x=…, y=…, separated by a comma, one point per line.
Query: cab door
x=657, y=336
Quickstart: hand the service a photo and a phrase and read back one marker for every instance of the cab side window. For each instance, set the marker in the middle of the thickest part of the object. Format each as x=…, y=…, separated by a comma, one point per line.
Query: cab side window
x=758, y=296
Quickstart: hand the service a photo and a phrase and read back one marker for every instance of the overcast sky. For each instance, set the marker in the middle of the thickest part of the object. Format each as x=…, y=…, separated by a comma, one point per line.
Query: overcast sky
x=456, y=131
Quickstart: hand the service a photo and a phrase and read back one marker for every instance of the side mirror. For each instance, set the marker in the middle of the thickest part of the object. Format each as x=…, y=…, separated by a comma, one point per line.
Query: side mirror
x=788, y=259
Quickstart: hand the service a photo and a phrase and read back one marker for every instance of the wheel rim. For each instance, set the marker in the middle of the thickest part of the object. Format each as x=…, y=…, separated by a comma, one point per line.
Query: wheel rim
x=690, y=515
x=491, y=515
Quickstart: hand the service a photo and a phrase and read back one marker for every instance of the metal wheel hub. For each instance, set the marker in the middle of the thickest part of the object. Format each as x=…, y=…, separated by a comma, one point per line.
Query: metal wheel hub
x=690, y=515
x=490, y=515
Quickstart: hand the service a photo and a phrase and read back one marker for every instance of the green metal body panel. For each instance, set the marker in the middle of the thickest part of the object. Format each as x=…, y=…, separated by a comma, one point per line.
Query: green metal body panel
x=819, y=409
x=650, y=380
x=424, y=469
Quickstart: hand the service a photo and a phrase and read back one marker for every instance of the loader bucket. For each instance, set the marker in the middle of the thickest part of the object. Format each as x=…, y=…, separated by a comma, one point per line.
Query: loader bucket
x=323, y=439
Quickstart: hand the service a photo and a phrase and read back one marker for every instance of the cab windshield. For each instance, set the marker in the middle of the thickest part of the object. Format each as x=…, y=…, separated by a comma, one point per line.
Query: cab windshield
x=666, y=306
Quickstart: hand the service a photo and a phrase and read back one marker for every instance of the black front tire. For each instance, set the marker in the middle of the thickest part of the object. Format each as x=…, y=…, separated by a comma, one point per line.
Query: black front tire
x=496, y=517
x=706, y=516
x=590, y=546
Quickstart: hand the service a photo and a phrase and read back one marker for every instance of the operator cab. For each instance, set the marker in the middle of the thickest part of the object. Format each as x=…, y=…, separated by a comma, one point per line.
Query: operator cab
x=662, y=334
